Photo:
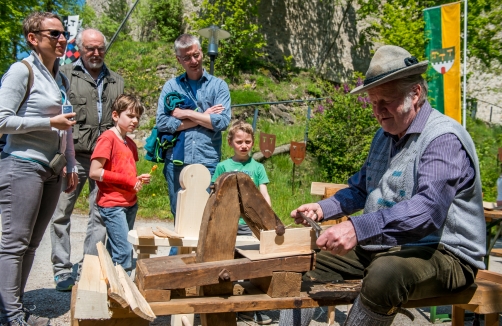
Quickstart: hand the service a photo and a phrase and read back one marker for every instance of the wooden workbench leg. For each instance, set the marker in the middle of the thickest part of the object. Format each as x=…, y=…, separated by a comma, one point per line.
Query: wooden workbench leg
x=457, y=316
x=492, y=319
x=219, y=319
x=331, y=315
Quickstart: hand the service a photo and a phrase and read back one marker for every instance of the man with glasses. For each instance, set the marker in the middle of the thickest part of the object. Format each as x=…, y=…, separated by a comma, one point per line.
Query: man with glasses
x=203, y=123
x=94, y=88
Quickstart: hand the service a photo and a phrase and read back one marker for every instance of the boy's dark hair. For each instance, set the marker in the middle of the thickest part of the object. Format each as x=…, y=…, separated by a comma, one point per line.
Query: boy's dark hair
x=124, y=102
x=240, y=125
x=33, y=22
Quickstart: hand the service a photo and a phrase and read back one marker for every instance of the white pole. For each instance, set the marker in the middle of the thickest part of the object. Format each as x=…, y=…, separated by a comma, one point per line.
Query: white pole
x=464, y=104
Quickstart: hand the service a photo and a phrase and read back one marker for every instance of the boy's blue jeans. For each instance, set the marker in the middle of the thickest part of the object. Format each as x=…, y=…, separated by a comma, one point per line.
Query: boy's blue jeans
x=119, y=221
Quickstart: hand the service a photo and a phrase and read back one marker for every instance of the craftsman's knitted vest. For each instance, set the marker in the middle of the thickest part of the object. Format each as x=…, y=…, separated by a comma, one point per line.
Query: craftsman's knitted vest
x=392, y=180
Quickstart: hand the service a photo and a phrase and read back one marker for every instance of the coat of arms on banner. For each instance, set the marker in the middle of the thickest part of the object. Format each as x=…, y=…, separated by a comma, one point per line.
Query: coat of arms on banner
x=267, y=144
x=297, y=152
x=442, y=59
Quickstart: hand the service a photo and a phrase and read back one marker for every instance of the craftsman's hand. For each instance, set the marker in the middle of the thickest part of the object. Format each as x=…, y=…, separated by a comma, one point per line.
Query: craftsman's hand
x=312, y=210
x=217, y=109
x=61, y=121
x=144, y=178
x=338, y=239
x=71, y=182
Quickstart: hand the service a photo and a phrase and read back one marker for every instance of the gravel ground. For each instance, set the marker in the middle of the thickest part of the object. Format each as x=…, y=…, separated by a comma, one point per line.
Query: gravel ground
x=40, y=290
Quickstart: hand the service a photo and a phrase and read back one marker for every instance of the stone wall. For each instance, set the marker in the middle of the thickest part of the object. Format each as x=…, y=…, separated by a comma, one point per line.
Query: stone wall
x=318, y=35
x=324, y=35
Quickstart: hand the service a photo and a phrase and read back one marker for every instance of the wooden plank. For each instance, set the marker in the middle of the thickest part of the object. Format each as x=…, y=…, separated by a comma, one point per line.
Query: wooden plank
x=159, y=234
x=134, y=321
x=496, y=252
x=489, y=205
x=115, y=290
x=317, y=188
x=254, y=301
x=293, y=240
x=73, y=300
x=489, y=276
x=169, y=233
x=171, y=272
x=91, y=300
x=132, y=237
x=154, y=295
x=318, y=295
x=280, y=284
x=253, y=253
x=134, y=298
x=192, y=198
x=145, y=232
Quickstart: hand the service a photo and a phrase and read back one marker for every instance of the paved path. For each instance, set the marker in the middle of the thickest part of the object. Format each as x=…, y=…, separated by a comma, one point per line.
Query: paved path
x=55, y=305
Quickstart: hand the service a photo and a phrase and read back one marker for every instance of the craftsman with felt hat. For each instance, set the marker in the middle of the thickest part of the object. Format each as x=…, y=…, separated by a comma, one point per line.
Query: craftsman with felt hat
x=421, y=231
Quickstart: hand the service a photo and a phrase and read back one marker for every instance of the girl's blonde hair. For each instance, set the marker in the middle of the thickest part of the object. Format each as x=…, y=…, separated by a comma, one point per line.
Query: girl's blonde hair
x=124, y=102
x=240, y=125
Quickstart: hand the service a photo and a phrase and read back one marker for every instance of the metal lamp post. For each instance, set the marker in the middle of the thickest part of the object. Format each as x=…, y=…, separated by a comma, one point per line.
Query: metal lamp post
x=214, y=34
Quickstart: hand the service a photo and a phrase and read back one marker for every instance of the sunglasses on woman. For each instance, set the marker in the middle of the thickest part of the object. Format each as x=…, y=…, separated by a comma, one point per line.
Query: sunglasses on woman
x=54, y=33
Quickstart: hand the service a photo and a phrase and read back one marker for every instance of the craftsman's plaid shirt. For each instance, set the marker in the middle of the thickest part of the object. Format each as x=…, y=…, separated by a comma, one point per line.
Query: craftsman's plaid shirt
x=445, y=169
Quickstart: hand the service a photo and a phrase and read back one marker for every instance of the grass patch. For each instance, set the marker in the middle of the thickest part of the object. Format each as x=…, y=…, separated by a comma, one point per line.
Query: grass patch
x=245, y=96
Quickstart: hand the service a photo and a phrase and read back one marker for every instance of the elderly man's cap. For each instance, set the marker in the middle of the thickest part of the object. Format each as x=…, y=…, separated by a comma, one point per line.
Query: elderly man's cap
x=390, y=62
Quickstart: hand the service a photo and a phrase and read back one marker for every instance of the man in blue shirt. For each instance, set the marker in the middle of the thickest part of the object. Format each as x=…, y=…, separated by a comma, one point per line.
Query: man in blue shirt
x=202, y=126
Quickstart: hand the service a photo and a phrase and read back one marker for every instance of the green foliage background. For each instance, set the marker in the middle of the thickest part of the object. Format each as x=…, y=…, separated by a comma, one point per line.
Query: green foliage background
x=238, y=17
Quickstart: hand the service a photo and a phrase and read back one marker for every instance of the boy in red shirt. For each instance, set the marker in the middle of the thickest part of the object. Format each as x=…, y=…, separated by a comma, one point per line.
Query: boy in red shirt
x=113, y=166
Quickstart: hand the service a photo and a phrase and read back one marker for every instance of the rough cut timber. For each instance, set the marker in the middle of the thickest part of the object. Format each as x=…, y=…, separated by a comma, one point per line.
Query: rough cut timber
x=115, y=290
x=293, y=240
x=91, y=299
x=171, y=272
x=134, y=298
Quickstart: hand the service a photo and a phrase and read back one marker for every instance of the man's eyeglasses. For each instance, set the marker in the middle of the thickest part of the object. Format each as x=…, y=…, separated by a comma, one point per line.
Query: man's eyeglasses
x=54, y=33
x=188, y=58
x=101, y=49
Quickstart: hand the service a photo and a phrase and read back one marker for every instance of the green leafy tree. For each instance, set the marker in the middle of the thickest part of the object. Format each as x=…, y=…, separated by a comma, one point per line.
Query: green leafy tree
x=12, y=13
x=159, y=20
x=239, y=18
x=400, y=22
x=114, y=14
x=340, y=134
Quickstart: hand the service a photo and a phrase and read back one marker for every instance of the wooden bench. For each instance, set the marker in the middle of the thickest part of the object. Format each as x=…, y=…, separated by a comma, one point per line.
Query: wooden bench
x=484, y=297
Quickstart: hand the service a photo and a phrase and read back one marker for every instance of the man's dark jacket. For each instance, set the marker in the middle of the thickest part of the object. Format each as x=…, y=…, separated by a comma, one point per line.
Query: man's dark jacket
x=84, y=96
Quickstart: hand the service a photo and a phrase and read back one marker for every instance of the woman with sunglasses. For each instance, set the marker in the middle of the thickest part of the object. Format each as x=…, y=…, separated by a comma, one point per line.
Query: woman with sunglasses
x=30, y=179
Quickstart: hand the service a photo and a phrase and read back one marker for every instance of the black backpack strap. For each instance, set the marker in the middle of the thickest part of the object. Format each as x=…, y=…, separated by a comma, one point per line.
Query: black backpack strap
x=30, y=82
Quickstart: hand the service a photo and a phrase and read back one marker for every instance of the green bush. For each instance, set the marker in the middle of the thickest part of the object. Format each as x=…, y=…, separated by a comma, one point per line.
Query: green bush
x=340, y=134
x=487, y=138
x=240, y=18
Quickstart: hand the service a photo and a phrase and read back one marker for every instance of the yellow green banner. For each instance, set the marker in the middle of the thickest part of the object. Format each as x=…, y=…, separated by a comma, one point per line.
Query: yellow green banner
x=442, y=47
